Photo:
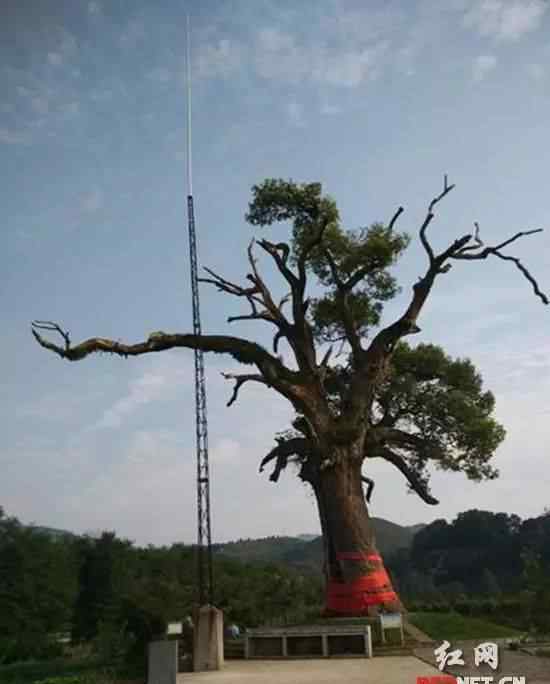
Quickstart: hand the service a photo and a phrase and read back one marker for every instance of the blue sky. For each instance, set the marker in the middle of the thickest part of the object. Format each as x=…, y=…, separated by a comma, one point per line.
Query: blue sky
x=377, y=100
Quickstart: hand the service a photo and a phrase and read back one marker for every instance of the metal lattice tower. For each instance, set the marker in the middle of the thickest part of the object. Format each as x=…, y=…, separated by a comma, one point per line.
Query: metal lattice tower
x=204, y=536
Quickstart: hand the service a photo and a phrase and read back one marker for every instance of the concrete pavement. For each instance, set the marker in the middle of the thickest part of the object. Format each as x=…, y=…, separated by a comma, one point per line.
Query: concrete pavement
x=382, y=670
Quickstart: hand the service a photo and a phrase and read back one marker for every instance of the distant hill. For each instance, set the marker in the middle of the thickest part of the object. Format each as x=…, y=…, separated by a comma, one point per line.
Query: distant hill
x=306, y=551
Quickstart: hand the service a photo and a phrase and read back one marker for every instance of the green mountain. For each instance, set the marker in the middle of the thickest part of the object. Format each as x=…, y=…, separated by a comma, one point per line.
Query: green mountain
x=305, y=553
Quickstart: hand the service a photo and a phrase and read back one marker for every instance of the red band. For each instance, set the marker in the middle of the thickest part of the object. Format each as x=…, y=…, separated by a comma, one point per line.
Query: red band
x=354, y=597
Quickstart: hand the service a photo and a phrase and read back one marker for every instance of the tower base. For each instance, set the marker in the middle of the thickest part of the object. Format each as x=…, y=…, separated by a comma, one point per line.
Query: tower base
x=207, y=639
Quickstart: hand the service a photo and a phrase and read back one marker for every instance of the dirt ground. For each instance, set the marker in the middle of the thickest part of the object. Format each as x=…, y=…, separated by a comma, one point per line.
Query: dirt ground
x=535, y=669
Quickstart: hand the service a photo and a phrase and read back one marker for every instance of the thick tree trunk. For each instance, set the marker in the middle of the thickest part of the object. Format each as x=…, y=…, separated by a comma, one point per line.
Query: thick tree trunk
x=356, y=580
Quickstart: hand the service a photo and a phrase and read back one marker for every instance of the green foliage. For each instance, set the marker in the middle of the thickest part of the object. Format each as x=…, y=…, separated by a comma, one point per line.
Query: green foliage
x=452, y=626
x=372, y=249
x=442, y=400
x=122, y=597
x=37, y=591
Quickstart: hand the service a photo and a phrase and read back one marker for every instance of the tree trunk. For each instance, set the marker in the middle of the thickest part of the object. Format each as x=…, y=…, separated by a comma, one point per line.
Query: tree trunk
x=356, y=580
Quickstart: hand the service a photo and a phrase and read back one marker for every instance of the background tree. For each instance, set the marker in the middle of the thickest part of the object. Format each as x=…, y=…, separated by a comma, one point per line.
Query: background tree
x=387, y=400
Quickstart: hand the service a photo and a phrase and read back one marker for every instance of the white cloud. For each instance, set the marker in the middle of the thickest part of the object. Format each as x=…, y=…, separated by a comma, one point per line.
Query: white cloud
x=482, y=66
x=505, y=19
x=279, y=57
x=161, y=381
x=295, y=114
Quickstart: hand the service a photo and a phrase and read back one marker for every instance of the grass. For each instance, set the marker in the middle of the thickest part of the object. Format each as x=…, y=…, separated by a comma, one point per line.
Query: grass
x=66, y=672
x=451, y=626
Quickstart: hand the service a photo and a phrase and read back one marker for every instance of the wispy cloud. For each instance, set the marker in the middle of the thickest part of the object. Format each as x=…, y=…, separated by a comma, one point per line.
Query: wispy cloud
x=505, y=19
x=160, y=382
x=279, y=56
x=482, y=67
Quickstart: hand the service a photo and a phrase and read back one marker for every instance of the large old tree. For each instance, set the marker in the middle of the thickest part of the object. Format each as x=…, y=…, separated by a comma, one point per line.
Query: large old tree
x=376, y=397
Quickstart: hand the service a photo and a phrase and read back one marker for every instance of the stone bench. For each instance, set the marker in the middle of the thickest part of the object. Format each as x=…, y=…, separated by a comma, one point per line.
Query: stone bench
x=309, y=641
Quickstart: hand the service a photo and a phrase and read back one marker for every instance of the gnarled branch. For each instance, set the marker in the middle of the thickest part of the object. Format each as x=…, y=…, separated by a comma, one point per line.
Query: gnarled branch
x=423, y=239
x=414, y=480
x=296, y=446
x=370, y=487
x=466, y=253
x=240, y=379
x=274, y=372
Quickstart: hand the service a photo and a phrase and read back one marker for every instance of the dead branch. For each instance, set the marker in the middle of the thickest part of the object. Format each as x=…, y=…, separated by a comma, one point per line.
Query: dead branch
x=466, y=253
x=446, y=190
x=274, y=250
x=224, y=285
x=370, y=487
x=50, y=325
x=272, y=369
x=240, y=379
x=416, y=483
x=267, y=300
x=296, y=446
x=395, y=217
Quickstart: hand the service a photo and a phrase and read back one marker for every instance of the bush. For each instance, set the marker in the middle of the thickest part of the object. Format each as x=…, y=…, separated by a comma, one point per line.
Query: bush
x=28, y=646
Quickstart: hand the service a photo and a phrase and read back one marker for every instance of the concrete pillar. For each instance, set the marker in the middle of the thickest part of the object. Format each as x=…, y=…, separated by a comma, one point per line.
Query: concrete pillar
x=207, y=639
x=284, y=649
x=368, y=642
x=162, y=662
x=324, y=638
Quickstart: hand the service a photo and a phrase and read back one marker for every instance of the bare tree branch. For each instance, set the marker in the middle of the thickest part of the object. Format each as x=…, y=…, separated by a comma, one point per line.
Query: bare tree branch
x=466, y=254
x=370, y=487
x=397, y=214
x=224, y=285
x=287, y=382
x=446, y=190
x=274, y=250
x=240, y=379
x=414, y=480
x=298, y=446
x=50, y=325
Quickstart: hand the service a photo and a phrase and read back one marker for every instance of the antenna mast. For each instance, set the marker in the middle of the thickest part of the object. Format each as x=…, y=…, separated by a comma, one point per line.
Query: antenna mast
x=204, y=537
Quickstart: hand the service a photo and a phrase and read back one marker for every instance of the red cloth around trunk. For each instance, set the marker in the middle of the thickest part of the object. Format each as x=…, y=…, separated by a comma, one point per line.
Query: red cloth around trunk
x=368, y=590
